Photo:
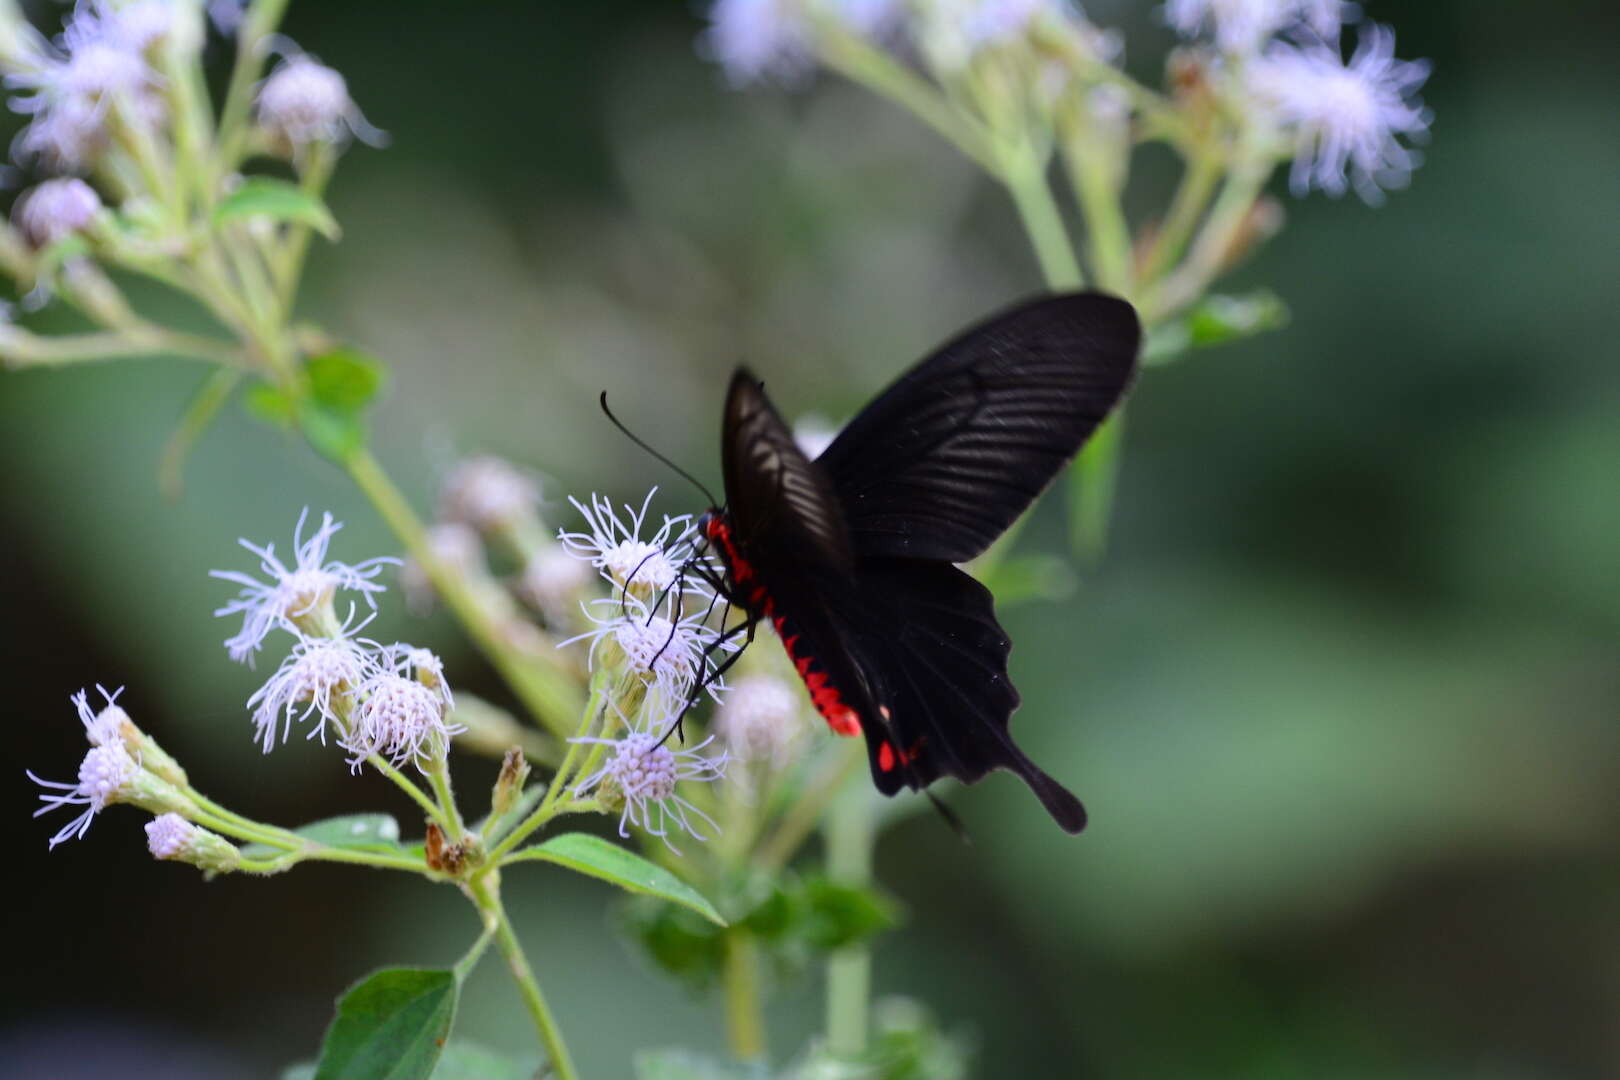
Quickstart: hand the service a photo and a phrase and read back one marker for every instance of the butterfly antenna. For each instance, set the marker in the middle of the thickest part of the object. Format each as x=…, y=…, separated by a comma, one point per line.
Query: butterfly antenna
x=639, y=441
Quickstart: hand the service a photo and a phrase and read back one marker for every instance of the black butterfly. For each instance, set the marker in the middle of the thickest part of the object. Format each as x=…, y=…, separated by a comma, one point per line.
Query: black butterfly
x=850, y=555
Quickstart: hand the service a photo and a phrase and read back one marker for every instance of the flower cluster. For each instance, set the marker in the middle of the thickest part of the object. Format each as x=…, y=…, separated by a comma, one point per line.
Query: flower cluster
x=1275, y=64
x=385, y=700
x=640, y=778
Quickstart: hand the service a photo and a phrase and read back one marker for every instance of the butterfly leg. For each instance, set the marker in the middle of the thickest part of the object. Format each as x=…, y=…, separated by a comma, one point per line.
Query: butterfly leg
x=719, y=670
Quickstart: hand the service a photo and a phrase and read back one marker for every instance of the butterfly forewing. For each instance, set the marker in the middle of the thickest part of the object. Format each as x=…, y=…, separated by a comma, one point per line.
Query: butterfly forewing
x=779, y=499
x=944, y=460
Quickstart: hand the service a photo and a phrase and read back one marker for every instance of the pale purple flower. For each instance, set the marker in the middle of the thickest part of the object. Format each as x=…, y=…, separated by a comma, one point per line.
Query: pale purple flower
x=134, y=26
x=614, y=546
x=1346, y=119
x=304, y=101
x=761, y=719
x=423, y=665
x=553, y=581
x=669, y=655
x=169, y=835
x=54, y=209
x=106, y=775
x=105, y=726
x=65, y=136
x=644, y=771
x=457, y=548
x=320, y=675
x=489, y=493
x=399, y=719
x=311, y=581
x=1244, y=26
x=755, y=40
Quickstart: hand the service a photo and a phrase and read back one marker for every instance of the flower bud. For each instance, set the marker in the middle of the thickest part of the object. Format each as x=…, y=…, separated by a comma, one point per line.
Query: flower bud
x=54, y=209
x=172, y=837
x=509, y=785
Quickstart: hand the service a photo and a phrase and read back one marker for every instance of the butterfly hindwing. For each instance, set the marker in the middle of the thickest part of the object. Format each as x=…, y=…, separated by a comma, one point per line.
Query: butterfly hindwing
x=943, y=461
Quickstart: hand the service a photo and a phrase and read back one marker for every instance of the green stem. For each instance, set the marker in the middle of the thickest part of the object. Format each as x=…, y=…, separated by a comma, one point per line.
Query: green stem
x=850, y=837
x=210, y=397
x=1108, y=233
x=19, y=348
x=801, y=818
x=287, y=262
x=438, y=774
x=485, y=894
x=418, y=796
x=559, y=781
x=258, y=23
x=861, y=62
x=1212, y=250
x=544, y=691
x=745, y=1021
x=1186, y=207
x=465, y=965
x=1023, y=170
x=1092, y=480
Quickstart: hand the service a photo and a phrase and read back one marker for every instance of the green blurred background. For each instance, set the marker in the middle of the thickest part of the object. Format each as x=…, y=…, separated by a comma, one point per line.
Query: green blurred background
x=1342, y=701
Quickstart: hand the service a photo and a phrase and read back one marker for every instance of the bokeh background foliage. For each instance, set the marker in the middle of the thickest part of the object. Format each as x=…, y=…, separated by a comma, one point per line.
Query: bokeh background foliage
x=1342, y=701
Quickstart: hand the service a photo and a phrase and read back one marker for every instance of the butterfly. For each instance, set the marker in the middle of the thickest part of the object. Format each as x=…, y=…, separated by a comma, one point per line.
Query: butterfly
x=851, y=556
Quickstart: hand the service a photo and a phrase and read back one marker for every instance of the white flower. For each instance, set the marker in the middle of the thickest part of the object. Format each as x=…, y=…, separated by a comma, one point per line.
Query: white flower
x=399, y=719
x=644, y=772
x=457, y=548
x=65, y=136
x=552, y=581
x=671, y=656
x=488, y=493
x=1243, y=26
x=614, y=546
x=105, y=727
x=760, y=719
x=106, y=775
x=320, y=674
x=1346, y=119
x=293, y=592
x=423, y=665
x=135, y=26
x=54, y=209
x=304, y=101
x=758, y=39
x=169, y=835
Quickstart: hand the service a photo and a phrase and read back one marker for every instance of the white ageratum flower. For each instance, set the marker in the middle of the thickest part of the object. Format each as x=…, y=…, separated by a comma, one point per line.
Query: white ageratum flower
x=489, y=493
x=318, y=678
x=671, y=656
x=457, y=548
x=553, y=581
x=614, y=546
x=54, y=209
x=106, y=775
x=309, y=583
x=105, y=726
x=1346, y=119
x=135, y=26
x=397, y=718
x=64, y=137
x=170, y=836
x=1244, y=26
x=423, y=665
x=760, y=719
x=755, y=40
x=303, y=101
x=643, y=771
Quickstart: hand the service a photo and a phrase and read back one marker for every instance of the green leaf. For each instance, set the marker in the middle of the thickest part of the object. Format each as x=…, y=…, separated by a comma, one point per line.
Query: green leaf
x=679, y=941
x=597, y=858
x=353, y=832
x=1215, y=320
x=391, y=1026
x=278, y=200
x=335, y=435
x=841, y=915
x=344, y=380
x=267, y=403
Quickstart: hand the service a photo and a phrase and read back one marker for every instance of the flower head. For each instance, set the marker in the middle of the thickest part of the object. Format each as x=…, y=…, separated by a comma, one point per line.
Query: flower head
x=553, y=581
x=755, y=40
x=399, y=719
x=54, y=209
x=167, y=835
x=170, y=836
x=423, y=665
x=65, y=136
x=106, y=775
x=290, y=594
x=614, y=546
x=669, y=655
x=644, y=772
x=489, y=493
x=105, y=726
x=318, y=677
x=1244, y=26
x=1346, y=119
x=303, y=101
x=760, y=719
